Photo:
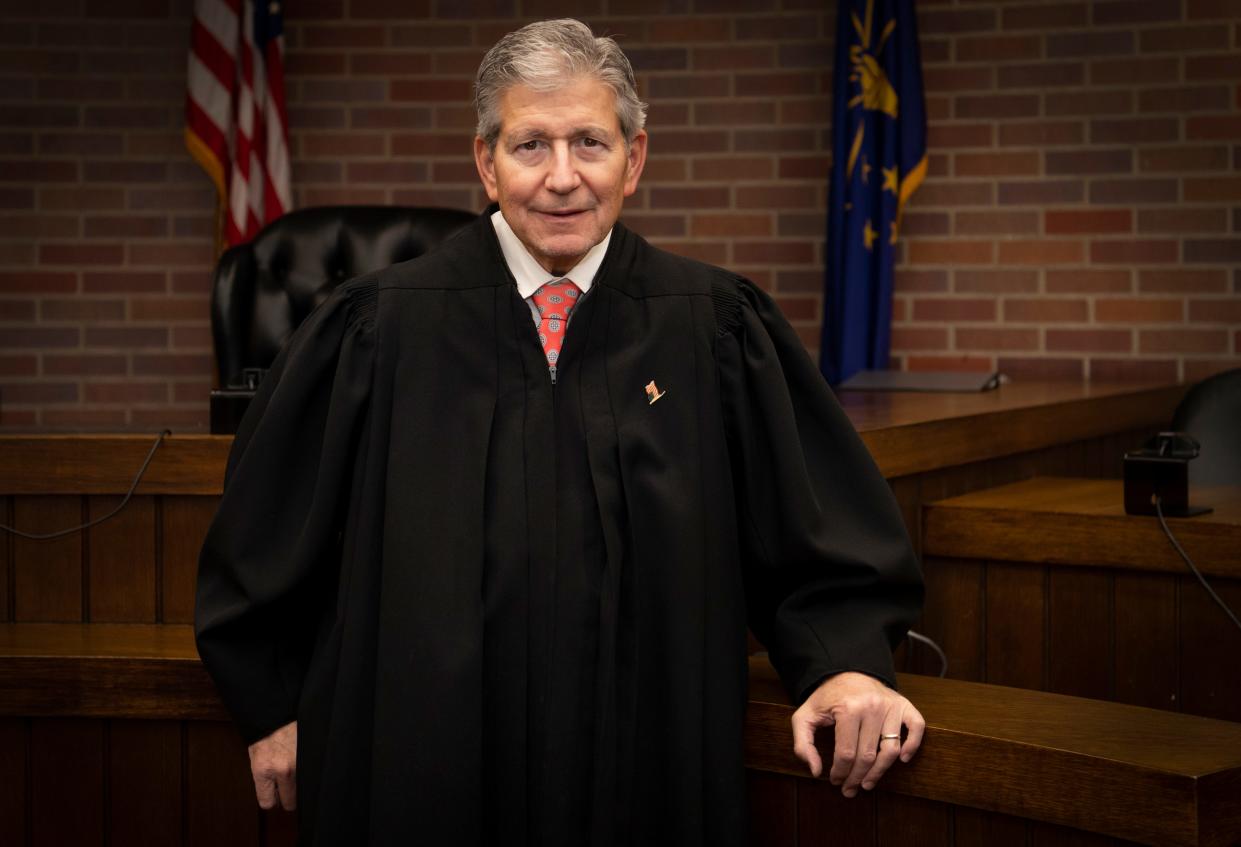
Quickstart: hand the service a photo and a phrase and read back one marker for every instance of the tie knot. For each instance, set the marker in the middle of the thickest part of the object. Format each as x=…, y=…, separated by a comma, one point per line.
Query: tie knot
x=556, y=299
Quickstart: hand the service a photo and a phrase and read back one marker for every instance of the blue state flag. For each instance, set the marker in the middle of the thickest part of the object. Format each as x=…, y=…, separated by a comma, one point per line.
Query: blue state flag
x=878, y=161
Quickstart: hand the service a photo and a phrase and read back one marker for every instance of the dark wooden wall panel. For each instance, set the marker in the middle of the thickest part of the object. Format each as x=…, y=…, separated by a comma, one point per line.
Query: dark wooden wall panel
x=976, y=828
x=121, y=557
x=185, y=526
x=1015, y=625
x=221, y=807
x=48, y=574
x=1151, y=640
x=1146, y=640
x=826, y=817
x=1079, y=633
x=1210, y=647
x=144, y=783
x=6, y=570
x=14, y=736
x=908, y=493
x=773, y=809
x=66, y=782
x=1050, y=835
x=905, y=821
x=953, y=617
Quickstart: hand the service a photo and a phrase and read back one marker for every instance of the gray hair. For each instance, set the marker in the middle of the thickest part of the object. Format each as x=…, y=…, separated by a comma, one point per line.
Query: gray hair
x=546, y=55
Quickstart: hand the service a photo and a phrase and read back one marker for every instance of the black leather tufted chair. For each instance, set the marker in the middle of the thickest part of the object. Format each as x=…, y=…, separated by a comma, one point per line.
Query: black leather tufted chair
x=264, y=289
x=1211, y=413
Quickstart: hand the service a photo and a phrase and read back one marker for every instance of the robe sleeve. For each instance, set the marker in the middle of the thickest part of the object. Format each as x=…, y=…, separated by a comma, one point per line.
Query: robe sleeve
x=271, y=554
x=832, y=582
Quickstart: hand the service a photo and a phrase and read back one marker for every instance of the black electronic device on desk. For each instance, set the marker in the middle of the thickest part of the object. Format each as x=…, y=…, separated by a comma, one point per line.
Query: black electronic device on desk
x=1160, y=470
x=228, y=405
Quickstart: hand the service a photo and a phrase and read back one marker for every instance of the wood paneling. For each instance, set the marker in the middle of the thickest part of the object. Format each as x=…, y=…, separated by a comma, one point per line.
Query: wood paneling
x=1079, y=633
x=773, y=809
x=1016, y=605
x=976, y=828
x=912, y=822
x=953, y=617
x=144, y=783
x=1146, y=640
x=48, y=574
x=185, y=522
x=1049, y=835
x=122, y=564
x=1210, y=648
x=825, y=816
x=1220, y=818
x=66, y=783
x=1152, y=640
x=908, y=494
x=14, y=739
x=1140, y=630
x=221, y=807
x=155, y=781
x=6, y=569
x=1037, y=755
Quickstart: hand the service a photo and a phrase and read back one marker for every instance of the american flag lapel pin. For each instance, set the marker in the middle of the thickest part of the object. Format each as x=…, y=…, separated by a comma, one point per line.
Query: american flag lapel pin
x=652, y=392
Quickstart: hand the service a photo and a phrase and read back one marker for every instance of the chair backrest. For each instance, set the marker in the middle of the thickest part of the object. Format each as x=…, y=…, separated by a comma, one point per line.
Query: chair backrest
x=264, y=289
x=1211, y=413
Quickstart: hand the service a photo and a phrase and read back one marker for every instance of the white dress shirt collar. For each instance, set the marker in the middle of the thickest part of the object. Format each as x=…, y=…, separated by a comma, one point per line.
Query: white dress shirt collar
x=530, y=275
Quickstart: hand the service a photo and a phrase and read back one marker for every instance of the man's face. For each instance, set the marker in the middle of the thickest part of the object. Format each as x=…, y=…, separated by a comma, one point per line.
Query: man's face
x=560, y=169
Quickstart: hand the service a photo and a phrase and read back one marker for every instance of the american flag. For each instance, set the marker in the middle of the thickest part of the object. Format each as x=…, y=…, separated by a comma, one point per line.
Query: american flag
x=236, y=126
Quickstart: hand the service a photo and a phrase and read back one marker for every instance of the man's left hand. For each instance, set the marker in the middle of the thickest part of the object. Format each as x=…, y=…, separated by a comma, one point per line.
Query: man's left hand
x=861, y=708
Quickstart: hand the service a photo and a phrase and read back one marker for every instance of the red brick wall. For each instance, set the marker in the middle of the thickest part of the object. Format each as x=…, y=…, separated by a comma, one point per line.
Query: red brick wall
x=1081, y=216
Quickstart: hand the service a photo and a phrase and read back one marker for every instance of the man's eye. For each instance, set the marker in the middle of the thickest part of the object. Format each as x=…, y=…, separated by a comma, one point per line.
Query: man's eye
x=590, y=142
x=529, y=145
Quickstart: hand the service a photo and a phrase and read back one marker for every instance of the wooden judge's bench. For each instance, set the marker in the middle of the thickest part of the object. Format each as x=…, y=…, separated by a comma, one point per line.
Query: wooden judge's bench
x=111, y=733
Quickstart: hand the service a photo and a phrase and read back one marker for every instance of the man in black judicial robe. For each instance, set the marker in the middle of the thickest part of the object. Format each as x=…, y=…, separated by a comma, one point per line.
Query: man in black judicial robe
x=473, y=601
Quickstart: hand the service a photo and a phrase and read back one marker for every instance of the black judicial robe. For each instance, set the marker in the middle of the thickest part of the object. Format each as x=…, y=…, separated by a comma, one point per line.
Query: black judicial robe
x=504, y=611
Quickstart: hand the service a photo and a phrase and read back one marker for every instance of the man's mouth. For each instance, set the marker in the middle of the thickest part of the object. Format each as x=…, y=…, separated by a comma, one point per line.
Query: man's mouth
x=563, y=213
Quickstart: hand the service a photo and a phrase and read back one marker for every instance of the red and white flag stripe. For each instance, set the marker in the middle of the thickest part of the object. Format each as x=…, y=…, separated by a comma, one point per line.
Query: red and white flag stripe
x=236, y=123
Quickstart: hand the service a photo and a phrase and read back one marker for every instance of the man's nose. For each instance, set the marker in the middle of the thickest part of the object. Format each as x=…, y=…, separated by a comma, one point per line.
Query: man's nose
x=562, y=175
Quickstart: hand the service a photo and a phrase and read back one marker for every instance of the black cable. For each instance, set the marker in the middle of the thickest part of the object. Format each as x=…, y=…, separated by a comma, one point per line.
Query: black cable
x=45, y=536
x=1188, y=561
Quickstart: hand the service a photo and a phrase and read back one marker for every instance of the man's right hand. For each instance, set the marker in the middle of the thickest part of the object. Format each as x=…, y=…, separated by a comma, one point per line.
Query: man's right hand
x=273, y=763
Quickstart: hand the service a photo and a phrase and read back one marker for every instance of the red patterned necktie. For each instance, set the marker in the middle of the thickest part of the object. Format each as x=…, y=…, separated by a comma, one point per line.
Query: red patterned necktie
x=554, y=301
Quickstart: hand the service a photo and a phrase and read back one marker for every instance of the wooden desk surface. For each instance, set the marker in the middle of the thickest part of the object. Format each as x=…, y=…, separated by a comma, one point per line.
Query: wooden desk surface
x=1082, y=522
x=1156, y=777
x=906, y=432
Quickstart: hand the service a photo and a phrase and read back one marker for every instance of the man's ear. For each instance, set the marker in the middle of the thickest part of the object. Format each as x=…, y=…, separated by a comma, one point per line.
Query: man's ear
x=636, y=156
x=485, y=161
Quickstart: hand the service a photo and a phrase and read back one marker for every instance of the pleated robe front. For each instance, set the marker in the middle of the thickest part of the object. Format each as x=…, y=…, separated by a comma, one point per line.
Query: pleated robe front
x=507, y=611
